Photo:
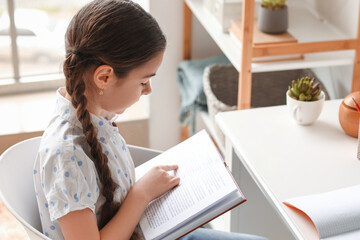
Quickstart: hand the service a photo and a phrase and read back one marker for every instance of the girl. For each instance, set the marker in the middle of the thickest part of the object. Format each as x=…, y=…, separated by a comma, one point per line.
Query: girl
x=84, y=174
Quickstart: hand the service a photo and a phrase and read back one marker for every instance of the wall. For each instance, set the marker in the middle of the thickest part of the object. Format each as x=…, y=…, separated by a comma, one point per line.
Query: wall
x=339, y=13
x=344, y=15
x=165, y=100
x=8, y=140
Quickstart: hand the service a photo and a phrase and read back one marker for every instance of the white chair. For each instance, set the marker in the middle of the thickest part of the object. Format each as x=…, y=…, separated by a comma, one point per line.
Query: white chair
x=16, y=182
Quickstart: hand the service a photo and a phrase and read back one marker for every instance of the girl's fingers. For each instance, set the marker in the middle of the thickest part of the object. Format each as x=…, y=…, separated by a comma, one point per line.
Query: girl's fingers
x=168, y=167
x=175, y=181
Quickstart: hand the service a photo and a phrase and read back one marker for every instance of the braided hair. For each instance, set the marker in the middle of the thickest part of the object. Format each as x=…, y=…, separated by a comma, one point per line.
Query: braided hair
x=118, y=33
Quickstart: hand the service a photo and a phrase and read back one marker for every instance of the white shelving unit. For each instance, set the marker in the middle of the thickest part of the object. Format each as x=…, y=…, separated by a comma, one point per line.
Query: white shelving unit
x=300, y=19
x=304, y=24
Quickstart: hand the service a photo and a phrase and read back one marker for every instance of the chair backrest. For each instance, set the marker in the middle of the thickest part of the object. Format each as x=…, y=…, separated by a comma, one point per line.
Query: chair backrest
x=140, y=154
x=16, y=185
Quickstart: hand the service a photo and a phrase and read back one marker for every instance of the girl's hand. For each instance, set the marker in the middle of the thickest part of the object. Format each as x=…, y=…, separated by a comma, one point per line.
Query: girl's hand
x=156, y=182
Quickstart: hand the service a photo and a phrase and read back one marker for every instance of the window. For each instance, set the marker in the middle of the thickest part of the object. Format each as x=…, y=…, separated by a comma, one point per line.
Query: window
x=32, y=43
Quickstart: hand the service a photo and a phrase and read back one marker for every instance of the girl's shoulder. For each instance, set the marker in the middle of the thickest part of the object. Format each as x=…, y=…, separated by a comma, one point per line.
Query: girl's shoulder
x=63, y=141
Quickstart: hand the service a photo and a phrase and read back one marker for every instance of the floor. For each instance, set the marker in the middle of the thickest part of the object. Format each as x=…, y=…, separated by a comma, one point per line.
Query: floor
x=10, y=228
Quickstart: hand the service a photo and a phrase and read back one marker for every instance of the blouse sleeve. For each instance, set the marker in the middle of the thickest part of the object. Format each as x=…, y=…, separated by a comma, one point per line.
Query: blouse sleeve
x=70, y=181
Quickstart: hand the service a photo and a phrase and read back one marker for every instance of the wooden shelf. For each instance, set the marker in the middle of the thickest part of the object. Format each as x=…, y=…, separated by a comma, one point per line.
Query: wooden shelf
x=299, y=19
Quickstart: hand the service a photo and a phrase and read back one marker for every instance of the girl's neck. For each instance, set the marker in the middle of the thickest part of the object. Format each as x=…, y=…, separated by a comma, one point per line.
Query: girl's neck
x=93, y=109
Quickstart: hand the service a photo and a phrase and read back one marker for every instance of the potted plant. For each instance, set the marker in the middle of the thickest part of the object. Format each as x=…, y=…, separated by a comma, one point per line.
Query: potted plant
x=273, y=16
x=305, y=100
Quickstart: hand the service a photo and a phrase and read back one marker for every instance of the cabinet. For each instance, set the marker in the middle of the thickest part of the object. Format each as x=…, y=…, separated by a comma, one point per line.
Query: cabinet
x=321, y=43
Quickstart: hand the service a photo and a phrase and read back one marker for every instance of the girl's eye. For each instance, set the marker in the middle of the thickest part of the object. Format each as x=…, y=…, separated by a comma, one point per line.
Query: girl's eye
x=144, y=84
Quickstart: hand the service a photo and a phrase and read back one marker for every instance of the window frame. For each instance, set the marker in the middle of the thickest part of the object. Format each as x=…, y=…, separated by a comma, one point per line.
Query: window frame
x=13, y=35
x=26, y=84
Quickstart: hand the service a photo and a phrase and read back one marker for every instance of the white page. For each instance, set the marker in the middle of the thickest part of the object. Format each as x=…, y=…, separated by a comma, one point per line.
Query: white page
x=345, y=236
x=225, y=204
x=333, y=213
x=199, y=162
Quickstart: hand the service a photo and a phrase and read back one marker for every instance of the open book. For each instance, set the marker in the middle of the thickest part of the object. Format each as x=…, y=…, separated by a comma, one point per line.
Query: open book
x=335, y=214
x=206, y=190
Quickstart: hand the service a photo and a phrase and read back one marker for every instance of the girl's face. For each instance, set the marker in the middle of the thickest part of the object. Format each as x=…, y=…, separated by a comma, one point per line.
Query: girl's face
x=121, y=93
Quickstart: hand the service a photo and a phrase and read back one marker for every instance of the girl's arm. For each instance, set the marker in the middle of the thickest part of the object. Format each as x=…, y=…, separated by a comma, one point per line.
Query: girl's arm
x=82, y=224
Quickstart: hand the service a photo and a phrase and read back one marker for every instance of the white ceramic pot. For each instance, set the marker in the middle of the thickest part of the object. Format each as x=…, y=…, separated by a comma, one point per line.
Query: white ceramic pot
x=305, y=113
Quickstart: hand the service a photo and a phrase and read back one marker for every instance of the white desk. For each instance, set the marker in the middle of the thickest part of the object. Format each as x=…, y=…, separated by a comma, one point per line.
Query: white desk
x=279, y=160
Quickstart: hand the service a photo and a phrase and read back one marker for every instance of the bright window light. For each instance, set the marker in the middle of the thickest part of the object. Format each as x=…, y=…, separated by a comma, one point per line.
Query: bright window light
x=38, y=28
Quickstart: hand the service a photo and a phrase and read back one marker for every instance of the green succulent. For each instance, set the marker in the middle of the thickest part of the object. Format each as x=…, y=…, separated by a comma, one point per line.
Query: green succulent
x=304, y=89
x=274, y=4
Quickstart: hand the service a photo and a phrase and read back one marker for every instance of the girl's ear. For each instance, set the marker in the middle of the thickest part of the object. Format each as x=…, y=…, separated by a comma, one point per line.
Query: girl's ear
x=102, y=76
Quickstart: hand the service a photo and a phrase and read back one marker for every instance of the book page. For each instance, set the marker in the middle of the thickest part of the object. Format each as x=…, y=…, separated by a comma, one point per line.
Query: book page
x=345, y=236
x=335, y=214
x=221, y=207
x=204, y=181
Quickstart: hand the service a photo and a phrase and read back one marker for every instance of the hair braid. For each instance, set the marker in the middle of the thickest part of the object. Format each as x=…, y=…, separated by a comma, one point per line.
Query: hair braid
x=100, y=160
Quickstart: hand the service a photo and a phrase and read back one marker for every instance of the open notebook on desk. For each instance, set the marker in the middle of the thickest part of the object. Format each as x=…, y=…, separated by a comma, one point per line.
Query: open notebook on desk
x=335, y=214
x=206, y=190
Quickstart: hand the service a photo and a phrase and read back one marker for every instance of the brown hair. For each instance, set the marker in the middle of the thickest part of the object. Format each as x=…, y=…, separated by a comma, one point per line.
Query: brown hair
x=118, y=33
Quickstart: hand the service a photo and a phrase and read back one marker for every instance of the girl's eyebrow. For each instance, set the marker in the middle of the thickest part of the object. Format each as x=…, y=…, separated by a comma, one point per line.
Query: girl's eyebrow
x=150, y=75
